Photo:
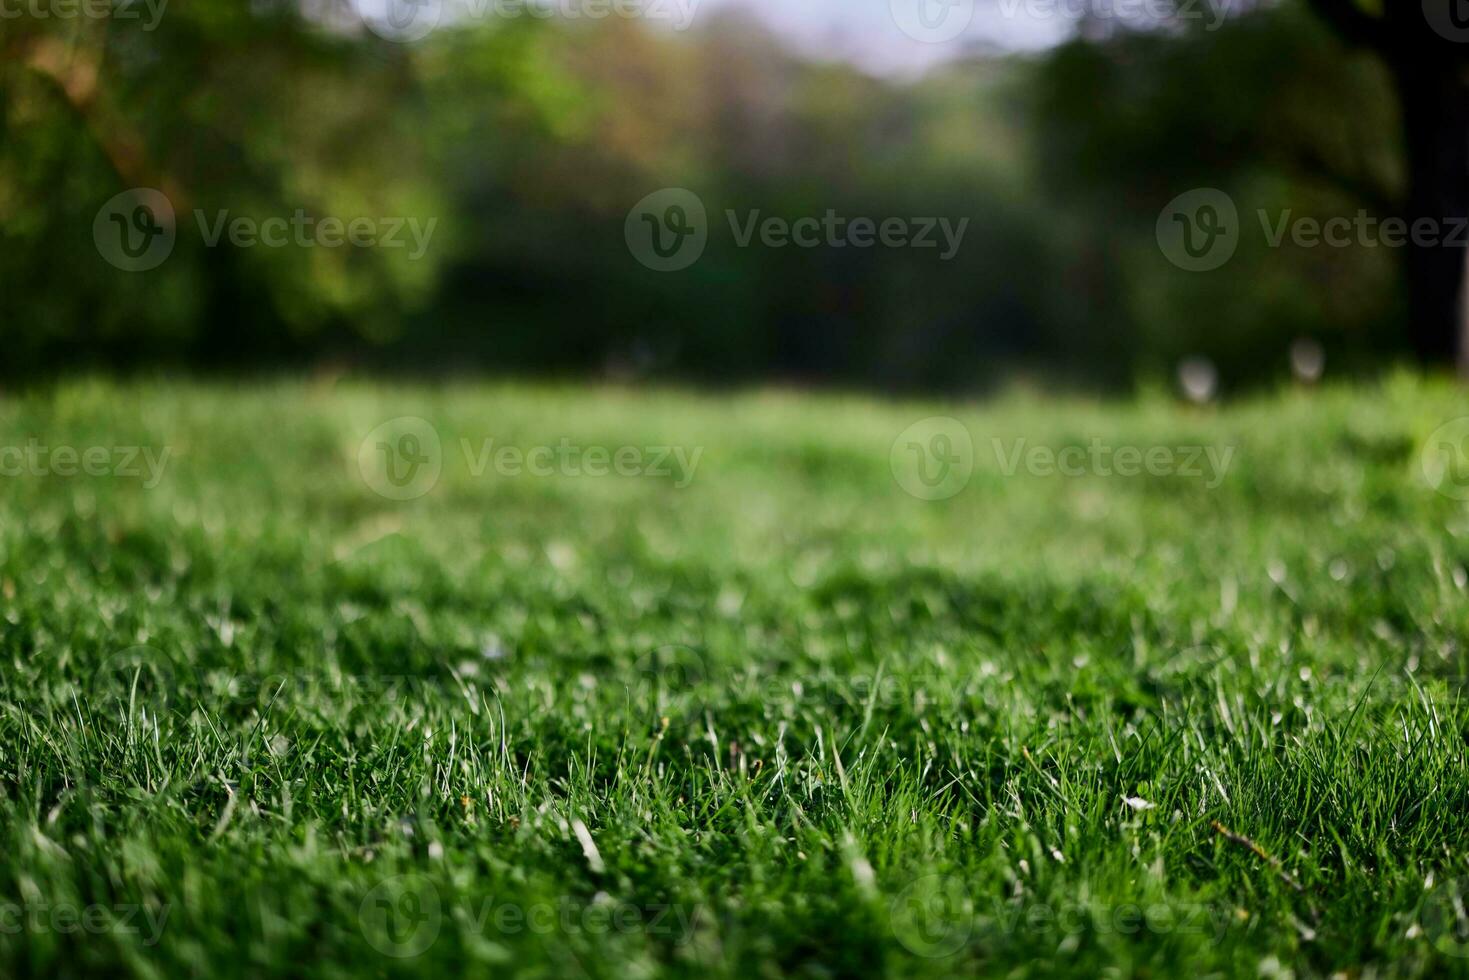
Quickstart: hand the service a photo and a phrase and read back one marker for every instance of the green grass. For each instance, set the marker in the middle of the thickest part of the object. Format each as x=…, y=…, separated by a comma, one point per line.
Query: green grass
x=786, y=719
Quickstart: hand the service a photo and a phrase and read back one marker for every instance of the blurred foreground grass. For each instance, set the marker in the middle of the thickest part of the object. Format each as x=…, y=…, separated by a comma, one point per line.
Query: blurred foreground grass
x=765, y=713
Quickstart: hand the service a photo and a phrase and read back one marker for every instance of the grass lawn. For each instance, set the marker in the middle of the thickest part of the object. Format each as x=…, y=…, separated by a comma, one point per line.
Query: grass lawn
x=749, y=707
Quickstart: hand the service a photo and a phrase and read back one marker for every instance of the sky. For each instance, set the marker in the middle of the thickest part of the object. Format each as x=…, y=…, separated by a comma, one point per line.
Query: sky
x=906, y=36
x=899, y=37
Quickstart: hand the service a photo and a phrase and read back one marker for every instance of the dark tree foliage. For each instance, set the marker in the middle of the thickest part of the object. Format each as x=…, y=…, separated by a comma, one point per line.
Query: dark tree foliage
x=1426, y=49
x=527, y=142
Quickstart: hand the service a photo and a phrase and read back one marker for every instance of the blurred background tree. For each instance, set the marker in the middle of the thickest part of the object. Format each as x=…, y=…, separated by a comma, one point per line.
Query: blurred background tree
x=1423, y=45
x=529, y=140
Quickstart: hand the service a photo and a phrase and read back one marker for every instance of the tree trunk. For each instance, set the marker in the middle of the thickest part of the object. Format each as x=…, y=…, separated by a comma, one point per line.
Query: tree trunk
x=1435, y=103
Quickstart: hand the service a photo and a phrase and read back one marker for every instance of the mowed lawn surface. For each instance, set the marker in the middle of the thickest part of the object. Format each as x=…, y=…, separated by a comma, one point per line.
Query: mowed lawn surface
x=760, y=712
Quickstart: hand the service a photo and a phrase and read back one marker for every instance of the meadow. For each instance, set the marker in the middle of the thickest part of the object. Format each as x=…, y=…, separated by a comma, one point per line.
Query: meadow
x=330, y=678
